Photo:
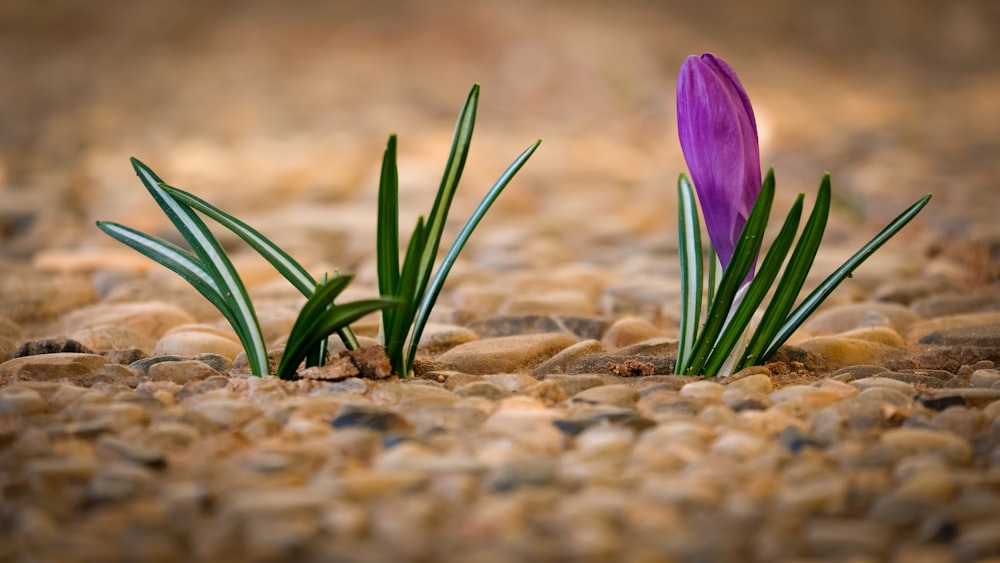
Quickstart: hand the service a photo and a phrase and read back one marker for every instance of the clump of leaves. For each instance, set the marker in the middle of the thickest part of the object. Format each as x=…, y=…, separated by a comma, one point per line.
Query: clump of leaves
x=415, y=283
x=211, y=273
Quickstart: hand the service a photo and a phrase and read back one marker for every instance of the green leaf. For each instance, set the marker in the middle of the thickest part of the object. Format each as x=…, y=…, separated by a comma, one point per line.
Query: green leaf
x=287, y=266
x=446, y=191
x=690, y=251
x=171, y=256
x=792, y=279
x=814, y=299
x=281, y=260
x=744, y=256
x=430, y=295
x=762, y=281
x=215, y=262
x=387, y=231
x=409, y=293
x=319, y=318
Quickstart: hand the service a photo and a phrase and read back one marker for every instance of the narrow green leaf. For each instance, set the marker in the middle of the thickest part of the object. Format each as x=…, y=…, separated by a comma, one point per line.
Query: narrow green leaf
x=430, y=295
x=408, y=292
x=792, y=279
x=167, y=254
x=816, y=298
x=387, y=230
x=733, y=277
x=319, y=318
x=762, y=281
x=287, y=266
x=714, y=272
x=216, y=264
x=446, y=191
x=690, y=251
x=281, y=260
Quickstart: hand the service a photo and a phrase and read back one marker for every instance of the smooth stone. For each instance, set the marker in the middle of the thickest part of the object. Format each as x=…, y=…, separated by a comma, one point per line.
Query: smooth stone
x=548, y=392
x=47, y=367
x=112, y=337
x=860, y=371
x=225, y=413
x=885, y=383
x=751, y=383
x=34, y=297
x=371, y=418
x=859, y=346
x=943, y=398
x=438, y=338
x=9, y=328
x=194, y=341
x=149, y=320
x=742, y=400
x=181, y=372
x=510, y=382
x=843, y=318
x=507, y=354
x=951, y=448
x=683, y=491
x=411, y=394
x=482, y=389
x=142, y=366
x=951, y=304
x=49, y=346
x=638, y=298
x=978, y=540
x=708, y=390
x=984, y=378
x=571, y=384
x=906, y=290
x=561, y=361
x=628, y=331
x=526, y=422
x=936, y=331
x=21, y=401
x=616, y=395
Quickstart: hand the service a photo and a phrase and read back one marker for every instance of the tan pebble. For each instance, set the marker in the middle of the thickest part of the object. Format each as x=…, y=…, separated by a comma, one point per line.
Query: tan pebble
x=934, y=485
x=193, y=342
x=563, y=360
x=532, y=428
x=181, y=372
x=226, y=413
x=150, y=320
x=47, y=367
x=409, y=395
x=118, y=415
x=862, y=346
x=112, y=337
x=759, y=382
x=843, y=318
x=845, y=390
x=510, y=382
x=21, y=401
x=739, y=445
x=949, y=446
x=617, y=395
x=370, y=485
x=628, y=331
x=508, y=354
x=708, y=390
x=769, y=422
x=884, y=383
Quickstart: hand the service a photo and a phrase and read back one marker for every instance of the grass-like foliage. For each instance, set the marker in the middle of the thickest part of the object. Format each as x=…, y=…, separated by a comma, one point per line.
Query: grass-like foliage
x=212, y=274
x=408, y=291
x=415, y=282
x=712, y=348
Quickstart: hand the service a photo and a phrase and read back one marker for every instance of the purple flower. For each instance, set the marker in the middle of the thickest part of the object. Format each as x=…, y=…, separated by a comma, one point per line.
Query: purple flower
x=718, y=135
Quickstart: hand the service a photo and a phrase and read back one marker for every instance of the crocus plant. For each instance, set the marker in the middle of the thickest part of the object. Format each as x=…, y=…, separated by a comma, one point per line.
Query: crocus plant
x=718, y=136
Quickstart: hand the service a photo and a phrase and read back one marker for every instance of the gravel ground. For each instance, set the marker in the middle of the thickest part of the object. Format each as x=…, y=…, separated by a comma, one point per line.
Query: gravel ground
x=544, y=424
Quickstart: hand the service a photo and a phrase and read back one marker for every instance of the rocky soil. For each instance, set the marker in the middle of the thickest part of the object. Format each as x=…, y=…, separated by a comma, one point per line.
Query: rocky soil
x=545, y=423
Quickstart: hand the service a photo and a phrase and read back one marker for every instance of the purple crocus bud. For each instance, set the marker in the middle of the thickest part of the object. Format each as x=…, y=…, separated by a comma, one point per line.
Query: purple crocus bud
x=718, y=135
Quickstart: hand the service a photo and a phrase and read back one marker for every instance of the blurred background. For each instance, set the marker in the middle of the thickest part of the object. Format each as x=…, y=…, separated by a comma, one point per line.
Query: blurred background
x=279, y=112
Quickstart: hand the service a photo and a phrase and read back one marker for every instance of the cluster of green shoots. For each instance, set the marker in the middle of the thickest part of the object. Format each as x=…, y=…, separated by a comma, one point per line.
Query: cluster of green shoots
x=408, y=282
